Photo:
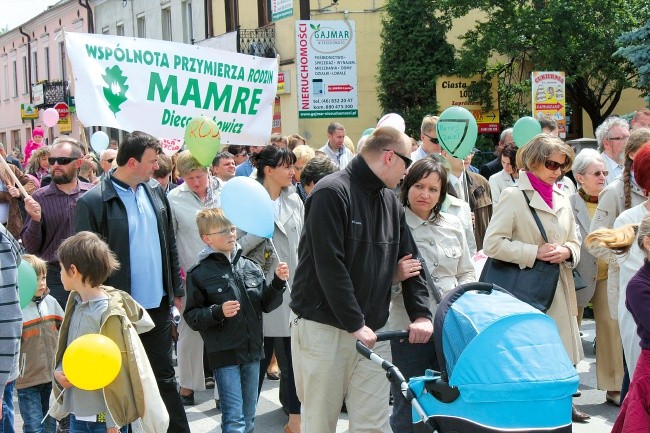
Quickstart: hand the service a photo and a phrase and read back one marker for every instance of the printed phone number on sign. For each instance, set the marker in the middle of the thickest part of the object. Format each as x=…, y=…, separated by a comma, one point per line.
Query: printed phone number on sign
x=333, y=106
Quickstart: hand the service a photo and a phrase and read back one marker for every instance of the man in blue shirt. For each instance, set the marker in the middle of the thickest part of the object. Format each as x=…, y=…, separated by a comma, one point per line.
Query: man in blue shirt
x=131, y=212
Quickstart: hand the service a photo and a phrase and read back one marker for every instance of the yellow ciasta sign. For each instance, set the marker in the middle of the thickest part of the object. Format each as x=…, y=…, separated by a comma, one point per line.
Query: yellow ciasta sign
x=452, y=90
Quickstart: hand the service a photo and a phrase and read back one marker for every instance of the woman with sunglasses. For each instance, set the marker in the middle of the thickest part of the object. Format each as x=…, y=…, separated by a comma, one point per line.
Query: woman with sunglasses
x=275, y=172
x=442, y=245
x=513, y=235
x=590, y=173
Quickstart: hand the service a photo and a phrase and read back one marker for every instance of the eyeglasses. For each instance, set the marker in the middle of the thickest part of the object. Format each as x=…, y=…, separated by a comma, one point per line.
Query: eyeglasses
x=407, y=160
x=110, y=161
x=225, y=232
x=433, y=140
x=61, y=160
x=618, y=138
x=553, y=165
x=600, y=172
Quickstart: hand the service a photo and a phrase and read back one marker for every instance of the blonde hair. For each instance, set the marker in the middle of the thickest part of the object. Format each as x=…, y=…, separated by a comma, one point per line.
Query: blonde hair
x=540, y=148
x=210, y=218
x=39, y=265
x=186, y=163
x=304, y=151
x=428, y=123
x=620, y=239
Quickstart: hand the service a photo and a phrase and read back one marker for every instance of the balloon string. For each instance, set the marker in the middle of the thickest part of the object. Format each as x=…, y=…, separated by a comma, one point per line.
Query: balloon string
x=52, y=407
x=278, y=256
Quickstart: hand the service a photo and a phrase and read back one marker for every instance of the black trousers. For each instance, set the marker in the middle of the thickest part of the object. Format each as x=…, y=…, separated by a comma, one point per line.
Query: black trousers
x=55, y=285
x=289, y=399
x=158, y=345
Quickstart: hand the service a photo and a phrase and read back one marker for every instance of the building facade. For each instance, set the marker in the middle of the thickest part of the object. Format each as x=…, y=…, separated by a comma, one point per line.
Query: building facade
x=34, y=72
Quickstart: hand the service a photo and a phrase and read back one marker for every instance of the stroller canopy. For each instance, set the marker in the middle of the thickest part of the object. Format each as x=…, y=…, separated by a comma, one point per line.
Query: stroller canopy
x=497, y=348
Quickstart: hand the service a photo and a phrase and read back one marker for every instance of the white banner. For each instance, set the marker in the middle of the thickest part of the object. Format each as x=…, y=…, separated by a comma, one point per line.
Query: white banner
x=159, y=86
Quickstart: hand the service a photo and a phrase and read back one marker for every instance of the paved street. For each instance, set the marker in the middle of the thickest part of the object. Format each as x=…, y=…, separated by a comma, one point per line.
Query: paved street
x=204, y=417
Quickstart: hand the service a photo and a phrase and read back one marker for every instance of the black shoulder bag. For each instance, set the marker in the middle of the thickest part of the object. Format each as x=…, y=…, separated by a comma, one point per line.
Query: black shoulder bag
x=535, y=286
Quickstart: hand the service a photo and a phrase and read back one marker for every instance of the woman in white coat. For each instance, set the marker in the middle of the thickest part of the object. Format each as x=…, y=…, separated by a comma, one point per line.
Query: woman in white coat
x=513, y=235
x=275, y=172
x=506, y=177
x=602, y=241
x=442, y=244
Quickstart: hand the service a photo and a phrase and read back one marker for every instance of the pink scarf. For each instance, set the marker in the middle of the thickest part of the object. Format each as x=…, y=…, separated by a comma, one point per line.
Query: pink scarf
x=543, y=188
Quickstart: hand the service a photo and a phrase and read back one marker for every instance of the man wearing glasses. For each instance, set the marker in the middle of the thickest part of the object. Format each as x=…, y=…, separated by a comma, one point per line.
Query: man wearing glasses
x=106, y=158
x=612, y=137
x=50, y=211
x=353, y=237
x=428, y=138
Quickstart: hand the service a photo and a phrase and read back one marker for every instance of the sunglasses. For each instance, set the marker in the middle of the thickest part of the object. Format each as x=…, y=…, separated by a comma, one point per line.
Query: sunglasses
x=599, y=173
x=407, y=160
x=433, y=140
x=61, y=160
x=110, y=160
x=553, y=165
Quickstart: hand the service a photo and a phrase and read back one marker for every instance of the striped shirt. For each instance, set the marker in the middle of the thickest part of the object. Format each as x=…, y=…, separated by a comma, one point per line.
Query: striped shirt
x=57, y=221
x=10, y=316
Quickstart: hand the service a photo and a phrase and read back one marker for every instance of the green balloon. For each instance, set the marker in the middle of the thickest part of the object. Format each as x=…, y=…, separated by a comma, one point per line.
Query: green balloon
x=27, y=281
x=525, y=129
x=367, y=132
x=457, y=131
x=203, y=139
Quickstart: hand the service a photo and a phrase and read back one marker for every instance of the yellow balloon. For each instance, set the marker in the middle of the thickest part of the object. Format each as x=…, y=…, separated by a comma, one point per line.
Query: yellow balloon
x=92, y=361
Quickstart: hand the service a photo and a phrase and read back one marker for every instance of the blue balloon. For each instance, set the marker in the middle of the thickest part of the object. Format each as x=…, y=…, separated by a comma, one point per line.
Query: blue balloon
x=248, y=206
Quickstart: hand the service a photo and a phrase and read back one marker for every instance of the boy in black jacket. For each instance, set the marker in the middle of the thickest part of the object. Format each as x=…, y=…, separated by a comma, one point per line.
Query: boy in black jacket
x=226, y=295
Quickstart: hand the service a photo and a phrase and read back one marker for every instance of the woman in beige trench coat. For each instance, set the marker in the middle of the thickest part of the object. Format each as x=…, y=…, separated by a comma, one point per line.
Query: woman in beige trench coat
x=513, y=235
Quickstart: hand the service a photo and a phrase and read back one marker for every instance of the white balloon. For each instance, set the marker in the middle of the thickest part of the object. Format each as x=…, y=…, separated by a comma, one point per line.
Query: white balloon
x=99, y=141
x=393, y=120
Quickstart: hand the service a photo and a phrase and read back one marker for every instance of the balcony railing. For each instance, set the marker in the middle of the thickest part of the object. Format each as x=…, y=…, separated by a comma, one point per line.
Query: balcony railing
x=257, y=42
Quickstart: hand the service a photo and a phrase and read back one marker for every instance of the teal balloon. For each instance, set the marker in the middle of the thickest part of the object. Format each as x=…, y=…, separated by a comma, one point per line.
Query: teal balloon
x=248, y=206
x=368, y=132
x=525, y=129
x=457, y=131
x=27, y=281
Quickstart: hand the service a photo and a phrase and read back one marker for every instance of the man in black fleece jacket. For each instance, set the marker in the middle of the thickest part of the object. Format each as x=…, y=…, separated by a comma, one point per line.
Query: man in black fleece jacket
x=354, y=236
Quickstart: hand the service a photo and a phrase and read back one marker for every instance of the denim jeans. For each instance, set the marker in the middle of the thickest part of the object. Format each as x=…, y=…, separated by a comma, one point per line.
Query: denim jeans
x=34, y=402
x=412, y=360
x=77, y=426
x=7, y=423
x=237, y=386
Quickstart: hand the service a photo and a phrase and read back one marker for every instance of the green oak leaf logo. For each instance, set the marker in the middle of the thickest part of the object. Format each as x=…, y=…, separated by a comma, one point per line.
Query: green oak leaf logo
x=315, y=28
x=115, y=90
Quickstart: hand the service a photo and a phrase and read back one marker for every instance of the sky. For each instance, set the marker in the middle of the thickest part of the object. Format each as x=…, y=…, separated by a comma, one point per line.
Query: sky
x=15, y=12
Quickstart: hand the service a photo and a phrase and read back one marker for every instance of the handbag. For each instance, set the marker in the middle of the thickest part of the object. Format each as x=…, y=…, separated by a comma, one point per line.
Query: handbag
x=535, y=286
x=578, y=281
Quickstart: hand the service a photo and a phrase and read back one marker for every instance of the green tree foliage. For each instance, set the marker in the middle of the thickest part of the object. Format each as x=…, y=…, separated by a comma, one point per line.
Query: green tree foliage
x=577, y=37
x=635, y=48
x=414, y=52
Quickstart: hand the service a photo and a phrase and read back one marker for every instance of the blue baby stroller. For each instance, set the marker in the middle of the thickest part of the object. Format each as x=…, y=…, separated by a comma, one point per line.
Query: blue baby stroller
x=503, y=368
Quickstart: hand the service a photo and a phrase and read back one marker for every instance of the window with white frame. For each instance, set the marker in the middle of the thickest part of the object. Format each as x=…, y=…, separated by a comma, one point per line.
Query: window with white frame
x=188, y=29
x=106, y=30
x=63, y=67
x=15, y=82
x=141, y=26
x=34, y=67
x=46, y=62
x=25, y=75
x=166, y=19
x=5, y=77
x=119, y=28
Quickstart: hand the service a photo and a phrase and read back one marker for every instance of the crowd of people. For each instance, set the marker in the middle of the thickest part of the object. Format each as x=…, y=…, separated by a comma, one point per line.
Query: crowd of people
x=366, y=238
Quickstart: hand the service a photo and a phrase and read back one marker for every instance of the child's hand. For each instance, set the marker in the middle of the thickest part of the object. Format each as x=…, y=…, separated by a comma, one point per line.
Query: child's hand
x=63, y=381
x=282, y=271
x=230, y=308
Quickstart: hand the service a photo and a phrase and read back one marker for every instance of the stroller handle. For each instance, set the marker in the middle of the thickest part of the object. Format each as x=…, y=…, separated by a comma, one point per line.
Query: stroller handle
x=366, y=352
